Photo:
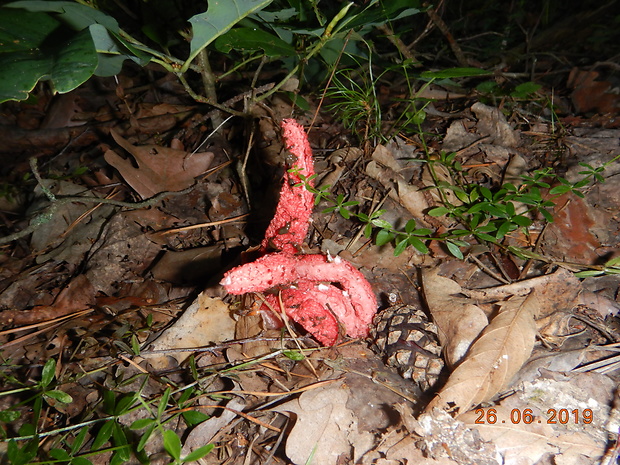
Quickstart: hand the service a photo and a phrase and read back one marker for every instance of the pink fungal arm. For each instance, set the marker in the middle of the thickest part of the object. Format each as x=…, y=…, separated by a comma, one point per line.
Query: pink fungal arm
x=289, y=226
x=281, y=269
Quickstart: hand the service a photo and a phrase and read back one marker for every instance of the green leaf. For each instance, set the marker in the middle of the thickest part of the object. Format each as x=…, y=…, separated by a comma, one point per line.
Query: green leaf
x=249, y=39
x=422, y=232
x=145, y=437
x=410, y=226
x=454, y=249
x=368, y=230
x=172, y=444
x=198, y=453
x=48, y=373
x=525, y=89
x=125, y=403
x=379, y=223
x=418, y=244
x=613, y=262
x=486, y=193
x=120, y=439
x=521, y=221
x=438, y=211
x=60, y=396
x=346, y=214
x=585, y=274
x=65, y=58
x=557, y=190
x=21, y=456
x=219, y=18
x=60, y=454
x=75, y=15
x=293, y=355
x=141, y=423
x=78, y=442
x=400, y=247
x=454, y=73
x=485, y=237
x=194, y=417
x=383, y=237
x=80, y=461
x=547, y=214
x=104, y=435
x=163, y=403
x=7, y=416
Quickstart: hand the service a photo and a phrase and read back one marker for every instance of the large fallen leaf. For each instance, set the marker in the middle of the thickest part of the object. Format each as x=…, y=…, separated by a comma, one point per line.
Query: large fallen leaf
x=493, y=359
x=160, y=169
x=459, y=322
x=206, y=321
x=325, y=428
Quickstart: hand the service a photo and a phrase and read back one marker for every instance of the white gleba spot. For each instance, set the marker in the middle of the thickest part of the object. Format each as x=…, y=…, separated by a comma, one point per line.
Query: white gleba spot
x=322, y=287
x=345, y=293
x=337, y=260
x=226, y=281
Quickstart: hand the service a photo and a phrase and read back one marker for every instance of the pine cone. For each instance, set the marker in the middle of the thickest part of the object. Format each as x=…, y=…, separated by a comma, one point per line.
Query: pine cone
x=407, y=340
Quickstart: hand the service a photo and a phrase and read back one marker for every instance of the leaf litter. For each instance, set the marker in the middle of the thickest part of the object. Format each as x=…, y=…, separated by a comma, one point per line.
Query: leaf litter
x=87, y=292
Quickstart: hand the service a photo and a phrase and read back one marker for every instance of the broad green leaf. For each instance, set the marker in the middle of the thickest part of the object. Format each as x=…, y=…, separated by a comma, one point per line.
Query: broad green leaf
x=220, y=17
x=104, y=435
x=438, y=211
x=410, y=226
x=418, y=244
x=247, y=39
x=24, y=31
x=525, y=90
x=75, y=15
x=613, y=262
x=454, y=249
x=400, y=247
x=547, y=214
x=559, y=189
x=194, y=417
x=381, y=224
x=172, y=444
x=198, y=453
x=79, y=441
x=120, y=439
x=521, y=220
x=48, y=373
x=75, y=62
x=60, y=396
x=60, y=454
x=421, y=232
x=141, y=423
x=125, y=403
x=383, y=237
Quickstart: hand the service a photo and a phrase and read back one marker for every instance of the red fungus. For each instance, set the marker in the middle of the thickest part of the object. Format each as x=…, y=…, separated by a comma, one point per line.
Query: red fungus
x=289, y=226
x=309, y=294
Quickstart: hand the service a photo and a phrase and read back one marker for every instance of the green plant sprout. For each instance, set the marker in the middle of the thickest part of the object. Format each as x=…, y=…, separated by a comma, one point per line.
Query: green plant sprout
x=483, y=214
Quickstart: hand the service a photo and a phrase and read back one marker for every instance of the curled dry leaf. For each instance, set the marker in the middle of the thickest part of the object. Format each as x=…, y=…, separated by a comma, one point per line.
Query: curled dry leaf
x=459, y=322
x=493, y=359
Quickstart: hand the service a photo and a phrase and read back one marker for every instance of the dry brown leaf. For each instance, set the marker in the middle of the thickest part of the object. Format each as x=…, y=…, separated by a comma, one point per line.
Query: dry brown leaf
x=325, y=428
x=493, y=359
x=206, y=321
x=385, y=168
x=459, y=322
x=159, y=169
